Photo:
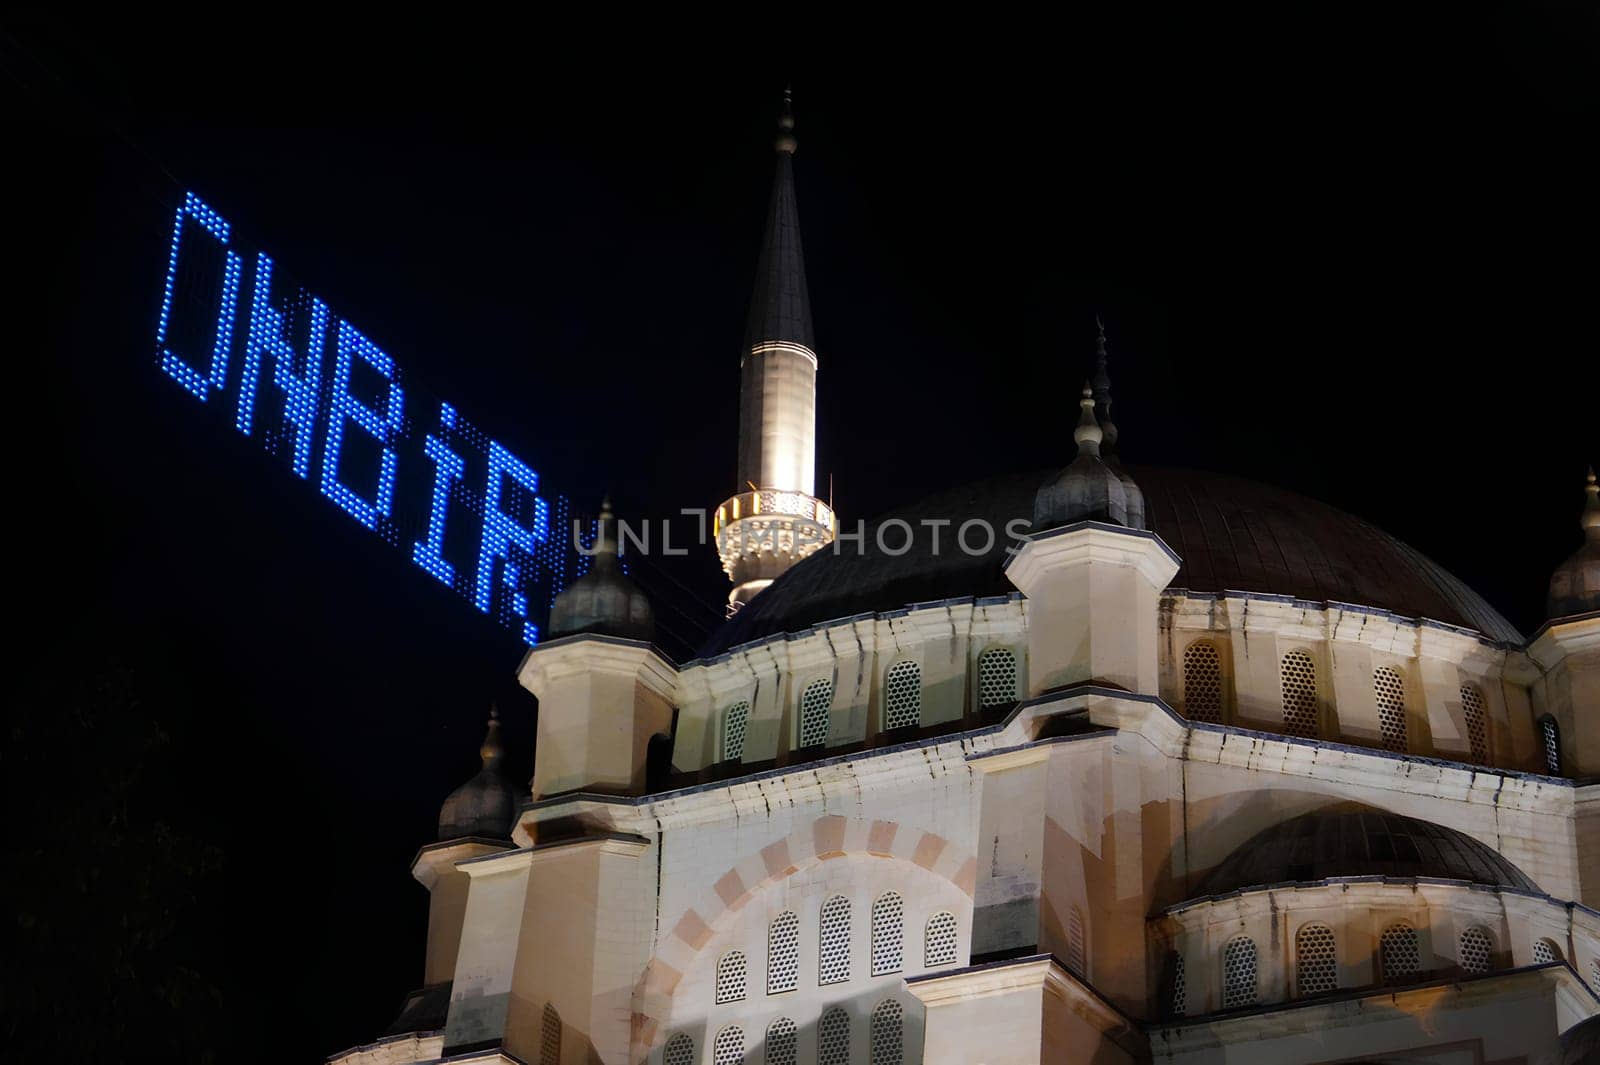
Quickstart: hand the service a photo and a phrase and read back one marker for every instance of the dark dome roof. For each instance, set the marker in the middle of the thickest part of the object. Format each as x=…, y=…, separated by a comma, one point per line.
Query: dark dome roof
x=1353, y=840
x=1232, y=534
x=486, y=805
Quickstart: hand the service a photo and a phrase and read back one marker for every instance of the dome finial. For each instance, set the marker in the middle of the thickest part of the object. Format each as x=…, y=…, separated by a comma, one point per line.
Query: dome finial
x=491, y=750
x=485, y=805
x=1591, y=507
x=1088, y=434
x=785, y=141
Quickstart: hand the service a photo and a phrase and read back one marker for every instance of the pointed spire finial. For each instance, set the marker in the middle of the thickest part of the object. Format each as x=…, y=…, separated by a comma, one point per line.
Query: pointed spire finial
x=1591, y=507
x=1102, y=387
x=785, y=141
x=1087, y=434
x=605, y=535
x=491, y=750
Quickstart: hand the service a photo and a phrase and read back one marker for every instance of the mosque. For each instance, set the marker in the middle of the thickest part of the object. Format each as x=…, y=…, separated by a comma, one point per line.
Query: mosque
x=1192, y=770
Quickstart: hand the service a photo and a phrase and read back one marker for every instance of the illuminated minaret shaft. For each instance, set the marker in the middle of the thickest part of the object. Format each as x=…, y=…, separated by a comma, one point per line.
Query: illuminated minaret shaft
x=775, y=519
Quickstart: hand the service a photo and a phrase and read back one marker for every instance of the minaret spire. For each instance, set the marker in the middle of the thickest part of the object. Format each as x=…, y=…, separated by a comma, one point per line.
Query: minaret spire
x=775, y=519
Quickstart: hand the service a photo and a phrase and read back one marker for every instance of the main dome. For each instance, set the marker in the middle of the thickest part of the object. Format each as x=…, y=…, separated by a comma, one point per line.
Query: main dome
x=1232, y=534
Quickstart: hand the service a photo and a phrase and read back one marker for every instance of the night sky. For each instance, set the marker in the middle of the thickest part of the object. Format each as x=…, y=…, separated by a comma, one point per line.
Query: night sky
x=1356, y=260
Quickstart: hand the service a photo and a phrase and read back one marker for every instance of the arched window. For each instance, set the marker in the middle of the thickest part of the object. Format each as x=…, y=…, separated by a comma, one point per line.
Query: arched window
x=783, y=953
x=680, y=1051
x=730, y=977
x=550, y=1036
x=833, y=1038
x=1546, y=951
x=1477, y=721
x=1399, y=953
x=833, y=953
x=1180, y=986
x=902, y=695
x=734, y=721
x=1239, y=973
x=814, y=704
x=1550, y=734
x=1391, y=695
x=887, y=1033
x=888, y=934
x=1202, y=682
x=1316, y=960
x=1077, y=944
x=1474, y=949
x=939, y=940
x=783, y=1042
x=997, y=677
x=1298, y=674
x=729, y=1047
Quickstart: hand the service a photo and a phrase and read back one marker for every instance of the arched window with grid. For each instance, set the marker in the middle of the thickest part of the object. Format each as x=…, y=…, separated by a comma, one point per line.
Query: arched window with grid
x=783, y=1042
x=1202, y=682
x=734, y=721
x=550, y=1036
x=888, y=934
x=1474, y=949
x=1550, y=736
x=1477, y=722
x=887, y=1036
x=1316, y=960
x=1298, y=676
x=1180, y=986
x=1390, y=691
x=1239, y=973
x=1077, y=943
x=680, y=1051
x=730, y=977
x=729, y=1046
x=815, y=702
x=939, y=940
x=1399, y=953
x=833, y=1038
x=997, y=677
x=1545, y=951
x=783, y=953
x=833, y=948
x=902, y=695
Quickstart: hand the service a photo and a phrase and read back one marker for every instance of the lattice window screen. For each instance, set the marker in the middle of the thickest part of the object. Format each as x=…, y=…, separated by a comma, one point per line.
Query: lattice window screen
x=1077, y=952
x=833, y=1038
x=1399, y=954
x=783, y=1042
x=1594, y=975
x=1545, y=951
x=783, y=953
x=939, y=941
x=733, y=728
x=1472, y=709
x=902, y=695
x=550, y=1036
x=730, y=977
x=729, y=1047
x=1316, y=960
x=833, y=954
x=1299, y=679
x=1391, y=695
x=1239, y=973
x=1202, y=683
x=888, y=1038
x=888, y=934
x=997, y=677
x=1551, y=734
x=814, y=704
x=680, y=1051
x=1474, y=949
x=1180, y=987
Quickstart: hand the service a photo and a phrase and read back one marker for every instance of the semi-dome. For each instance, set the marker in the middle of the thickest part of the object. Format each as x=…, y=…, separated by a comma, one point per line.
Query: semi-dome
x=1232, y=535
x=1355, y=840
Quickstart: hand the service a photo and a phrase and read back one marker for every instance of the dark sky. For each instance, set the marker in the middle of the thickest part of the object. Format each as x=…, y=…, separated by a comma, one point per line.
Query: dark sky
x=1354, y=259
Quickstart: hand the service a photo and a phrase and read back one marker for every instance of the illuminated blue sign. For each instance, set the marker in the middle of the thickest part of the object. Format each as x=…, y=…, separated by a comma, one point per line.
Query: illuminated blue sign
x=336, y=408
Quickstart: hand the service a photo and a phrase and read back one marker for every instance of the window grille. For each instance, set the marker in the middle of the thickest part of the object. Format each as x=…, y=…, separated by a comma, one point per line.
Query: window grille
x=833, y=954
x=1545, y=951
x=939, y=941
x=1180, y=987
x=1399, y=954
x=1239, y=973
x=997, y=677
x=729, y=1047
x=1594, y=974
x=887, y=1033
x=733, y=729
x=833, y=1038
x=783, y=1042
x=1391, y=693
x=814, y=704
x=1202, y=683
x=1551, y=734
x=783, y=953
x=1474, y=950
x=1316, y=959
x=730, y=977
x=680, y=1051
x=1477, y=723
x=902, y=695
x=1077, y=954
x=550, y=1036
x=888, y=934
x=1299, y=678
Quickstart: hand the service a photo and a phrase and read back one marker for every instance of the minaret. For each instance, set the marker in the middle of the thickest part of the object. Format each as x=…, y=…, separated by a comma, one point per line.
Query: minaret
x=774, y=520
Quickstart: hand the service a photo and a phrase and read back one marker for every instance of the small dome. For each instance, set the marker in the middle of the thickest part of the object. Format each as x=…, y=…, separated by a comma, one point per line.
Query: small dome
x=1354, y=840
x=486, y=804
x=1575, y=585
x=603, y=601
x=1088, y=489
